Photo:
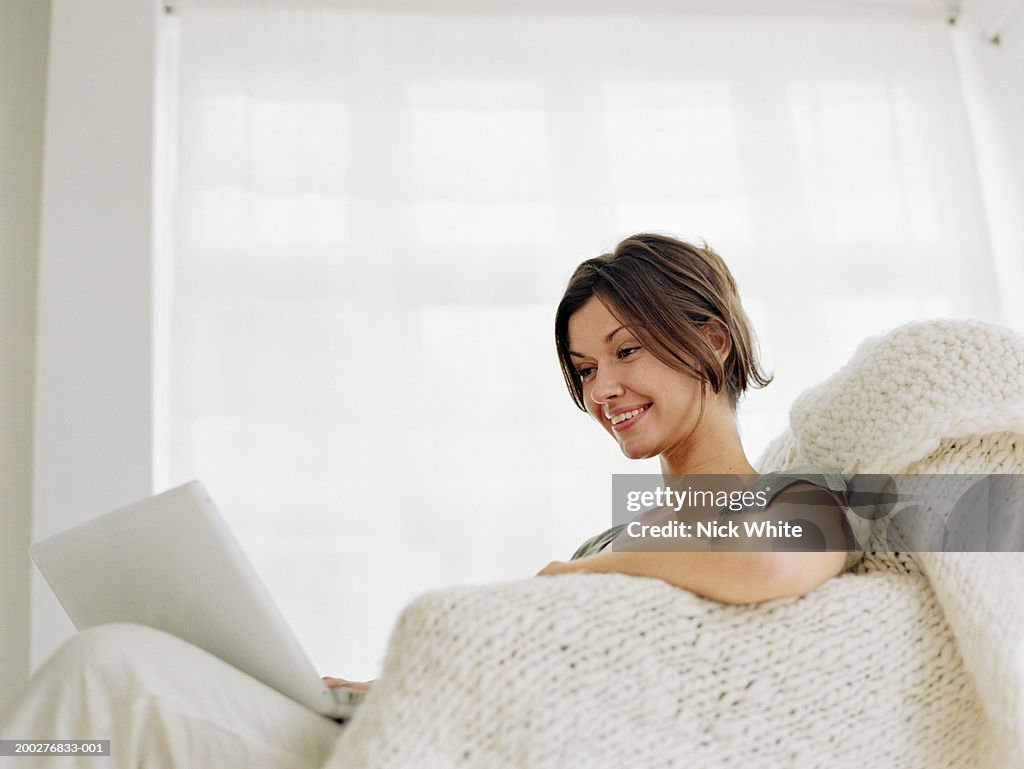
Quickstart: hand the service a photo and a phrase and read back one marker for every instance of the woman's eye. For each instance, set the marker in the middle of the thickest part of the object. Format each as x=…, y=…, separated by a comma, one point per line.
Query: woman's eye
x=625, y=352
x=585, y=372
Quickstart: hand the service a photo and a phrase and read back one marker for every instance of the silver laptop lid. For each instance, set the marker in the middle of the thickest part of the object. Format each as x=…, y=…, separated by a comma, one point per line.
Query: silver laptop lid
x=170, y=562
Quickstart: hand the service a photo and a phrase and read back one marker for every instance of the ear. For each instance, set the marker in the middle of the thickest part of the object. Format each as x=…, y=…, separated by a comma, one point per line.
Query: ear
x=718, y=336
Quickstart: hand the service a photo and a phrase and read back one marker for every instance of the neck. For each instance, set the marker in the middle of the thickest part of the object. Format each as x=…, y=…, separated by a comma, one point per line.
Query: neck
x=714, y=448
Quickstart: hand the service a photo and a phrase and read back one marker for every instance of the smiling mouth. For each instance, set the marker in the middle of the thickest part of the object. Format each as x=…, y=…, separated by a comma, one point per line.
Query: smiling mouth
x=626, y=418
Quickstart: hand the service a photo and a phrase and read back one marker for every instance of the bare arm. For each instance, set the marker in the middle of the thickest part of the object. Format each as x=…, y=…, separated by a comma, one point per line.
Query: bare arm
x=727, y=577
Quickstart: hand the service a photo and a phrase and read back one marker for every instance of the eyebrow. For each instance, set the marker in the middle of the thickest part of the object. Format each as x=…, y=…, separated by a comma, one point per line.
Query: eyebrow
x=607, y=339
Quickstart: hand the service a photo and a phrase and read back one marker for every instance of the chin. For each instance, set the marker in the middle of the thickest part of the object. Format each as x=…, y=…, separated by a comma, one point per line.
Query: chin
x=637, y=452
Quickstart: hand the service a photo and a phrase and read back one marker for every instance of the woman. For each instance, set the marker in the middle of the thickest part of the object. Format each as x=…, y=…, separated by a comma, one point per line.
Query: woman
x=654, y=345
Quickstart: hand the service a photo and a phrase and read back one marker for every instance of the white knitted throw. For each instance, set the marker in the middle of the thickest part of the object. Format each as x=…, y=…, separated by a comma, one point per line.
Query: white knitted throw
x=903, y=662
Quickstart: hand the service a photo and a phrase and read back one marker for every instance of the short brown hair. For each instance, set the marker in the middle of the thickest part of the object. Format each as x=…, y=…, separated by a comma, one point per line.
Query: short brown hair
x=665, y=290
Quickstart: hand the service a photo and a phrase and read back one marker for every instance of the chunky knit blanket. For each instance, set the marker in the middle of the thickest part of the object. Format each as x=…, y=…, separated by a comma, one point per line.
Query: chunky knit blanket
x=906, y=661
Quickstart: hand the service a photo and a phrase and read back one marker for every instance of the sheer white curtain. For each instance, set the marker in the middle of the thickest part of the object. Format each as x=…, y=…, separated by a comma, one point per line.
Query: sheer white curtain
x=374, y=214
x=989, y=43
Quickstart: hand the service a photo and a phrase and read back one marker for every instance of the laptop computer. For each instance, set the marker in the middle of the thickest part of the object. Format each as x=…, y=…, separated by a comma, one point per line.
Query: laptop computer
x=171, y=562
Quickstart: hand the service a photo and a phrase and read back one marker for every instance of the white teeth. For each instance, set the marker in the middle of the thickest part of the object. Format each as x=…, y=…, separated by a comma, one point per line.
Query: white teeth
x=626, y=415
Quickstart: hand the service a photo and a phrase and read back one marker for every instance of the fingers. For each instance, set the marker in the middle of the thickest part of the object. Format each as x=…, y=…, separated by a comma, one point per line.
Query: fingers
x=555, y=567
x=338, y=683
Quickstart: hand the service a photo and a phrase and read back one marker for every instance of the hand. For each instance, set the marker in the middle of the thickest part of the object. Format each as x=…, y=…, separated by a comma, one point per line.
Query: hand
x=556, y=567
x=341, y=683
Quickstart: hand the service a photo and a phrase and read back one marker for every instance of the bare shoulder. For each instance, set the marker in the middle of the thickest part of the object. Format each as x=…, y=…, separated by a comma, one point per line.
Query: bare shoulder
x=815, y=547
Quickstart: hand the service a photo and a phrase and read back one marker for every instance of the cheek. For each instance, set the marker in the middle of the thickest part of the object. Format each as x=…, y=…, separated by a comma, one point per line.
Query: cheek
x=687, y=399
x=592, y=408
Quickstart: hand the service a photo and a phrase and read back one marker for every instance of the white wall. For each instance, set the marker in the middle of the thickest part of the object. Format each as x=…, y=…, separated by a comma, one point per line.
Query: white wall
x=23, y=44
x=93, y=360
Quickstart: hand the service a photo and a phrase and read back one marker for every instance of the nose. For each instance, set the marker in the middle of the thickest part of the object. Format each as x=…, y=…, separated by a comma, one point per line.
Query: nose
x=606, y=387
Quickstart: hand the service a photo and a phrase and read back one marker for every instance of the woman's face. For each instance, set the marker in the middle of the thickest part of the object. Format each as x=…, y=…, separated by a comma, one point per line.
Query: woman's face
x=647, y=407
